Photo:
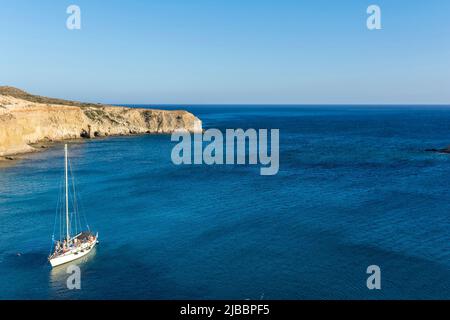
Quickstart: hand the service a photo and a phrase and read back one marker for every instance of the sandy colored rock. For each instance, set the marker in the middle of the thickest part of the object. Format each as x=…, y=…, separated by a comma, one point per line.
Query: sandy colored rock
x=28, y=119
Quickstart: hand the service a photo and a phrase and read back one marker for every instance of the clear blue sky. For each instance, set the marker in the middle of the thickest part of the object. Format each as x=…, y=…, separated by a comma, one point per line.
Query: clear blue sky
x=228, y=51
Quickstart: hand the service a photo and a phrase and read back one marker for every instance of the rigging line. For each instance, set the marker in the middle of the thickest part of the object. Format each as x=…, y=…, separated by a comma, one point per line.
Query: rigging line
x=57, y=214
x=74, y=202
x=75, y=199
x=62, y=207
x=54, y=224
x=75, y=213
x=83, y=215
x=61, y=211
x=61, y=220
x=60, y=194
x=80, y=210
x=73, y=223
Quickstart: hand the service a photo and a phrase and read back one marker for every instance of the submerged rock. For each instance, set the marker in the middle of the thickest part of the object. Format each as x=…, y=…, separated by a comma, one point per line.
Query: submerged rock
x=443, y=150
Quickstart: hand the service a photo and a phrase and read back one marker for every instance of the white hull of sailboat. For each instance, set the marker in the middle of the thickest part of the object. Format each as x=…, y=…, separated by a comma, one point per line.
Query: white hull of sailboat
x=80, y=245
x=73, y=254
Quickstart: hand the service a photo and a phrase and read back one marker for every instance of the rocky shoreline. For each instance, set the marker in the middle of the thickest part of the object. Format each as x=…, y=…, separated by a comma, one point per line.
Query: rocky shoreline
x=27, y=120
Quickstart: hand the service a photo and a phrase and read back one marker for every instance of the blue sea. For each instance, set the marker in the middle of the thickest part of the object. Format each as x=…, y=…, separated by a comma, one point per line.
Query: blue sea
x=355, y=188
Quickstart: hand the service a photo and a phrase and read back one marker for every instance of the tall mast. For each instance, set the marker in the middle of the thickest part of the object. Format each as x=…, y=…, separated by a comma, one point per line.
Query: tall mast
x=67, y=194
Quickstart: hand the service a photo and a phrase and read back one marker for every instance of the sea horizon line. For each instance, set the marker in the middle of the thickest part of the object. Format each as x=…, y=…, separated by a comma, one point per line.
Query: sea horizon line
x=284, y=104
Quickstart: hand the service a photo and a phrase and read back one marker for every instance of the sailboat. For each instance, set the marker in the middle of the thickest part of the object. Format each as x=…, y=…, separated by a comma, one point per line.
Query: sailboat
x=71, y=248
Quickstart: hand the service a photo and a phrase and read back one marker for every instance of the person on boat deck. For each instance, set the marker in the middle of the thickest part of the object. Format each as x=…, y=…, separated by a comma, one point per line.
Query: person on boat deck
x=75, y=242
x=57, y=246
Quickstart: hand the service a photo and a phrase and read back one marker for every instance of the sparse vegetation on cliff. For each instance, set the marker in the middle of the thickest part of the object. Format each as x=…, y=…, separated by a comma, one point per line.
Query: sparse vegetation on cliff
x=26, y=119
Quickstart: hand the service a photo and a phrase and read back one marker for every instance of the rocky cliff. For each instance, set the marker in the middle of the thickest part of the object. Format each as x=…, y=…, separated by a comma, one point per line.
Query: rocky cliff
x=26, y=119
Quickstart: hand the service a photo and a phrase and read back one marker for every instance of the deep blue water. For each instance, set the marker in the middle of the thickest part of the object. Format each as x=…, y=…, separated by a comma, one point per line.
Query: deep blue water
x=355, y=188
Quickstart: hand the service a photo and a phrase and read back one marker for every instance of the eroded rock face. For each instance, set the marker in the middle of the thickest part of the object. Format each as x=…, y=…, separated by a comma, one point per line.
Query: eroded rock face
x=26, y=119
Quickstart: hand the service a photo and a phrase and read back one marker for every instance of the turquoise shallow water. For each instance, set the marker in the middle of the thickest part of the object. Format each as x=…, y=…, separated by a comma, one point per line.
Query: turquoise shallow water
x=355, y=188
